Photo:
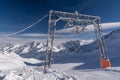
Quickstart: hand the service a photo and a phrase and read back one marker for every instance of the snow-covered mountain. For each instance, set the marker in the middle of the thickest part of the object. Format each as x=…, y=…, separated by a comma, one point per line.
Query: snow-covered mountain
x=27, y=50
x=69, y=46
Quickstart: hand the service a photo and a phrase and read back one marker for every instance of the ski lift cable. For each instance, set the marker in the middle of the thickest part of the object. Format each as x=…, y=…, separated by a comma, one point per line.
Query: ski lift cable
x=86, y=4
x=20, y=31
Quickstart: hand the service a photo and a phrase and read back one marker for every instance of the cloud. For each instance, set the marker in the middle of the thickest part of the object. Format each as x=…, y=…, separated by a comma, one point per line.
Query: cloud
x=61, y=37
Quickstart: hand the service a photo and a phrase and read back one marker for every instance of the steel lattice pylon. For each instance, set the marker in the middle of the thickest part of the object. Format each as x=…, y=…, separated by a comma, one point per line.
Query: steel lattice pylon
x=55, y=16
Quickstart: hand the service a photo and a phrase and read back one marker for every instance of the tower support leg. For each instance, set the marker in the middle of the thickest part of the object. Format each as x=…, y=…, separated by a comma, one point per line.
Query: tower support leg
x=104, y=60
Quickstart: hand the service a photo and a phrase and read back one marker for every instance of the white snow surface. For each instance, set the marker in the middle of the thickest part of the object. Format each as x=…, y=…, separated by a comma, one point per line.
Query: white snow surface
x=73, y=59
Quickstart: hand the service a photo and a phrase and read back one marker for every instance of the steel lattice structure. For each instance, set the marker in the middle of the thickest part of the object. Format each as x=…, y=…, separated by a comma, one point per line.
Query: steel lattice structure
x=55, y=16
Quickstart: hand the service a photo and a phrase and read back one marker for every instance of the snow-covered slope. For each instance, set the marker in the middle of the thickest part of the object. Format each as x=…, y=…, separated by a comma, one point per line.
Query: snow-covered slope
x=85, y=63
x=32, y=74
x=78, y=61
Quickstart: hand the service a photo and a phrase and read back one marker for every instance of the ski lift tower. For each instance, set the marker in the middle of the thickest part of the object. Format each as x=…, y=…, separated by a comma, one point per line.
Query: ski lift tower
x=73, y=18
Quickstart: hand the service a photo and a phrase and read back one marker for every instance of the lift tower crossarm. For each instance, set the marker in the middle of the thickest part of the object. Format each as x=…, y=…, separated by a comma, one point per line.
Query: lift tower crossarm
x=72, y=16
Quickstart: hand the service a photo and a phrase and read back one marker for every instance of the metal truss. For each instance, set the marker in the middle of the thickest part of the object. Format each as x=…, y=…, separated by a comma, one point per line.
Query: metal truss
x=72, y=19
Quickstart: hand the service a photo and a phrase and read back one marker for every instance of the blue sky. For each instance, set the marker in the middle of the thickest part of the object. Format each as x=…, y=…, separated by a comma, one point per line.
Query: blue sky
x=17, y=14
